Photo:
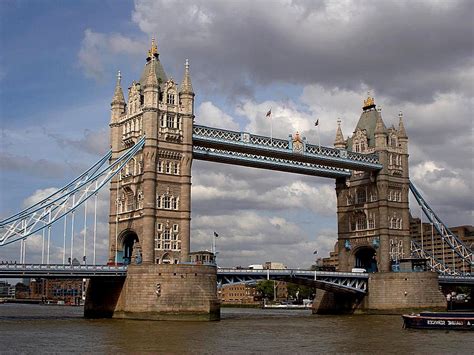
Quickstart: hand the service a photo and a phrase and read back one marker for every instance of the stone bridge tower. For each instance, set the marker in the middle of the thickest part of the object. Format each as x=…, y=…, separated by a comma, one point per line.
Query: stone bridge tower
x=150, y=200
x=372, y=208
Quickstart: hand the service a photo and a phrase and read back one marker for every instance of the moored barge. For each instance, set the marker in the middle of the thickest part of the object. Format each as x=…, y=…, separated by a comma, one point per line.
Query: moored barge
x=439, y=320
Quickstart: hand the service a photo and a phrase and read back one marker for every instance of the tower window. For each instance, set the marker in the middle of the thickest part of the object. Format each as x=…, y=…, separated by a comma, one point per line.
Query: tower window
x=166, y=202
x=176, y=169
x=170, y=99
x=170, y=121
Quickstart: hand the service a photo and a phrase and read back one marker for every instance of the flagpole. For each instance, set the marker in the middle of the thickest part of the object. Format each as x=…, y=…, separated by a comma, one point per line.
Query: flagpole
x=271, y=130
x=319, y=139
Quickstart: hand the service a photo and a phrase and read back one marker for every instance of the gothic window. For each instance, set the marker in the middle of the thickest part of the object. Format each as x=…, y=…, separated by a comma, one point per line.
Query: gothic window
x=175, y=227
x=162, y=120
x=159, y=226
x=178, y=122
x=371, y=221
x=168, y=167
x=170, y=120
x=170, y=99
x=158, y=240
x=352, y=224
x=159, y=202
x=174, y=203
x=373, y=196
x=361, y=222
x=361, y=195
x=140, y=198
x=390, y=195
x=176, y=168
x=167, y=234
x=166, y=202
x=160, y=166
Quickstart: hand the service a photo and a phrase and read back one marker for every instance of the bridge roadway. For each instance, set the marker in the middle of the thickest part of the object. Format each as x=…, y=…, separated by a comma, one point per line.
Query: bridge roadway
x=348, y=282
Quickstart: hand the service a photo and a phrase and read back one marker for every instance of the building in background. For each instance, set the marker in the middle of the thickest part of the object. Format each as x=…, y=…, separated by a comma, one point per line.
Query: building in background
x=431, y=241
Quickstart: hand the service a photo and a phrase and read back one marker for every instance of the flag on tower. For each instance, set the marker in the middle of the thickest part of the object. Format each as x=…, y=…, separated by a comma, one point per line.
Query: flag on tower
x=316, y=123
x=216, y=235
x=269, y=113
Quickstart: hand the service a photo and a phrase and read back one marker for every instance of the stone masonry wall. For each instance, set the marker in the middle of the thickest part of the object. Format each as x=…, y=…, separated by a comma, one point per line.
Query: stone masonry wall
x=178, y=292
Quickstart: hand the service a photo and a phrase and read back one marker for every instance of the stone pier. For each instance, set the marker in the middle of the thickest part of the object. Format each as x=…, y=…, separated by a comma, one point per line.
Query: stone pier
x=388, y=293
x=156, y=292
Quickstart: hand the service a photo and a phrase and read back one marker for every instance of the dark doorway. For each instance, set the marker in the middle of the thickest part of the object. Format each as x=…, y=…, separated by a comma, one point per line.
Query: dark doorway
x=366, y=258
x=128, y=243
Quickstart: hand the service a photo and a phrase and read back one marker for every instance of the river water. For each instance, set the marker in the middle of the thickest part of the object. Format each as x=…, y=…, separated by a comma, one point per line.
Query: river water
x=60, y=329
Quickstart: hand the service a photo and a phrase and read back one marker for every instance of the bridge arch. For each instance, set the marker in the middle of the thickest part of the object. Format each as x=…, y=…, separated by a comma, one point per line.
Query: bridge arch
x=365, y=257
x=130, y=247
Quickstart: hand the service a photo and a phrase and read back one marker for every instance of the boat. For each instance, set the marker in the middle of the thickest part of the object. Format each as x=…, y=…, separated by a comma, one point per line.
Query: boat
x=439, y=320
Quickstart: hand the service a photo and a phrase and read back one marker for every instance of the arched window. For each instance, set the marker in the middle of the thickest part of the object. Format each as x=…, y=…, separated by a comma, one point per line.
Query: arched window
x=175, y=203
x=176, y=168
x=159, y=202
x=168, y=167
x=170, y=120
x=170, y=99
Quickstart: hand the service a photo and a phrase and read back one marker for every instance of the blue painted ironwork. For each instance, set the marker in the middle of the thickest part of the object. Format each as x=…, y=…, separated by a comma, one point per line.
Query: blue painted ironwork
x=51, y=209
x=60, y=271
x=454, y=243
x=267, y=162
x=232, y=141
x=345, y=282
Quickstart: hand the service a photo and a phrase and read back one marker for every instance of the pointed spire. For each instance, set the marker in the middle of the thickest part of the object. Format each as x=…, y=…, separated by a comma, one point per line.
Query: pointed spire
x=380, y=127
x=118, y=93
x=153, y=51
x=339, y=141
x=401, y=128
x=186, y=86
x=151, y=80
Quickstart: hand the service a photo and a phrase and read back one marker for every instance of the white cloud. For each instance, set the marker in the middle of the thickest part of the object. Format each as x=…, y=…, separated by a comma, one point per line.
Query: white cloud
x=210, y=115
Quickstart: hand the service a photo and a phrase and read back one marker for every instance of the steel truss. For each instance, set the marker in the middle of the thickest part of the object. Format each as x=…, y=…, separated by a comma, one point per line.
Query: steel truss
x=345, y=282
x=266, y=162
x=324, y=157
x=448, y=237
x=64, y=201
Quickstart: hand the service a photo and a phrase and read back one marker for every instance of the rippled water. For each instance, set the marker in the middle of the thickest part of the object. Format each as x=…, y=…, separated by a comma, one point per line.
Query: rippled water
x=46, y=329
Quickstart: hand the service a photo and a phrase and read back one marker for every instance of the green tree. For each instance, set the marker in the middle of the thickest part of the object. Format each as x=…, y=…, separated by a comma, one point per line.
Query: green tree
x=266, y=288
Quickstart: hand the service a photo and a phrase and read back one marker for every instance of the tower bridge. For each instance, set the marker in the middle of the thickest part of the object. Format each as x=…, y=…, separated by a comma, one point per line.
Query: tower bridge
x=154, y=139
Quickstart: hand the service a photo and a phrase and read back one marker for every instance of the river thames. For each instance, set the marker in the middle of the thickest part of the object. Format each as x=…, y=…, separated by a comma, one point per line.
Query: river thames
x=60, y=329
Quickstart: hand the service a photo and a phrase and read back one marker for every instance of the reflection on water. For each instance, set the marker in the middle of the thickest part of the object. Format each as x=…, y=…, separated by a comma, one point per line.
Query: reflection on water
x=37, y=328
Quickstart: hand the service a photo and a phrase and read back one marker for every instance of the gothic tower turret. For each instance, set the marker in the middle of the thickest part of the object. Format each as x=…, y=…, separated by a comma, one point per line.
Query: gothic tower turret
x=150, y=208
x=339, y=142
x=373, y=225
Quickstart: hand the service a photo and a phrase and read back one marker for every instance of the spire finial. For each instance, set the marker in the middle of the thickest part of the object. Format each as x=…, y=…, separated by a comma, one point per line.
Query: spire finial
x=186, y=64
x=369, y=102
x=153, y=51
x=119, y=77
x=400, y=115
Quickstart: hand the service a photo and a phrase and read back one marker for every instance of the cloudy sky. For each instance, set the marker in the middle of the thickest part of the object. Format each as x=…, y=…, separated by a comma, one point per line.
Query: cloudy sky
x=304, y=59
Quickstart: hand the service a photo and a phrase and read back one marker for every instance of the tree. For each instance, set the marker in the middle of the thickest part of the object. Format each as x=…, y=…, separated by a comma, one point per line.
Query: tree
x=266, y=288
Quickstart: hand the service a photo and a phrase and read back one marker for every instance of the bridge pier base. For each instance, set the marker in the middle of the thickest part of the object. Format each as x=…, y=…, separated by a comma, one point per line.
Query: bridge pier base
x=156, y=292
x=388, y=293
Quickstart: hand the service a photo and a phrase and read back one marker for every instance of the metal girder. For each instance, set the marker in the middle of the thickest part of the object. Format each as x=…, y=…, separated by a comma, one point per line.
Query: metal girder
x=247, y=143
x=355, y=283
x=60, y=271
x=455, y=244
x=462, y=280
x=265, y=162
x=66, y=200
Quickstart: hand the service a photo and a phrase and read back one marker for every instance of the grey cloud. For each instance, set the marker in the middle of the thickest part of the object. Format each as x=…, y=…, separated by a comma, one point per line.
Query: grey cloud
x=405, y=50
x=93, y=142
x=41, y=168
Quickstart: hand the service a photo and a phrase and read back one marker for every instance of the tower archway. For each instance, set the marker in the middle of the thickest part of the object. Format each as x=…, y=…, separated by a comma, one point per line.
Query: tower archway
x=129, y=240
x=366, y=258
